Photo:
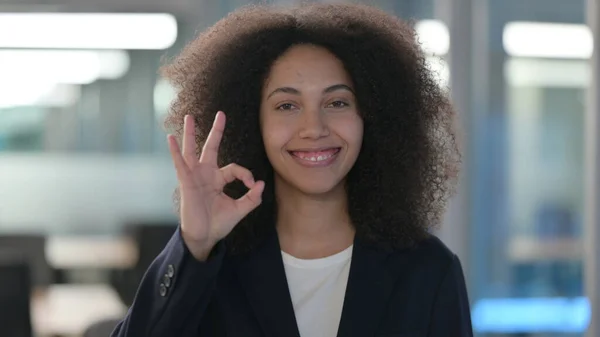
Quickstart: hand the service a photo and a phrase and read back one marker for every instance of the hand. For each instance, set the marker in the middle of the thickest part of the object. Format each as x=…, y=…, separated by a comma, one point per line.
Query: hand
x=207, y=213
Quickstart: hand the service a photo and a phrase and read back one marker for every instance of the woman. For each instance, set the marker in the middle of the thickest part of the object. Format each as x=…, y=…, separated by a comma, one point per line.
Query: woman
x=309, y=209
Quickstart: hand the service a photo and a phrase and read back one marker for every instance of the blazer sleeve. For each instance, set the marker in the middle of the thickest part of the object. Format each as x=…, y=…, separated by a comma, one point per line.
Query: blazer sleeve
x=173, y=294
x=451, y=315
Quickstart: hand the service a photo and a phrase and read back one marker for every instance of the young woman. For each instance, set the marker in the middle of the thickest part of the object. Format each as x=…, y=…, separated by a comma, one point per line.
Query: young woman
x=327, y=154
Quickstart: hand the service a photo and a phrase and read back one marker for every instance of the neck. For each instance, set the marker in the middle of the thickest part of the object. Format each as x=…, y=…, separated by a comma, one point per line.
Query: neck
x=312, y=226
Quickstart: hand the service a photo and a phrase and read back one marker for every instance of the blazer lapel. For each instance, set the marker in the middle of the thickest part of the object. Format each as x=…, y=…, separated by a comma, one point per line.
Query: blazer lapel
x=370, y=283
x=262, y=276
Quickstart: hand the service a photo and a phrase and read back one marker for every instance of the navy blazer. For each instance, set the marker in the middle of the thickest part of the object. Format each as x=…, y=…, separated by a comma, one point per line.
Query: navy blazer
x=408, y=293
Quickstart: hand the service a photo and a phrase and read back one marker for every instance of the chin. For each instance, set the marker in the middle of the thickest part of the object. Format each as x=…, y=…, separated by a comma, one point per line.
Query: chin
x=315, y=186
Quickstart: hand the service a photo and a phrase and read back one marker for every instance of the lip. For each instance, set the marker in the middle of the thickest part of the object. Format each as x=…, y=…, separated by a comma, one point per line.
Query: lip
x=315, y=149
x=315, y=164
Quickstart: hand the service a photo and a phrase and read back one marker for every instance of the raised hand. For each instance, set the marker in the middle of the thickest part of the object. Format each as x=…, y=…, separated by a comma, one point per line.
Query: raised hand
x=207, y=214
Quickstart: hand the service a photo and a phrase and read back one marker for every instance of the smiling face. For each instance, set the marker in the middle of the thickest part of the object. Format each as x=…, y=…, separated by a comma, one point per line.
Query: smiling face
x=310, y=124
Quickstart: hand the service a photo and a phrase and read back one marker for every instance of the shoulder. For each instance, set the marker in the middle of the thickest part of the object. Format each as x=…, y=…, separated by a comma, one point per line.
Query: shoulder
x=434, y=250
x=429, y=257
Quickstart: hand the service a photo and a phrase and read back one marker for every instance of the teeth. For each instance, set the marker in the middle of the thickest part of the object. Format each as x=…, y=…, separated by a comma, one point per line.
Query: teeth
x=315, y=158
x=318, y=158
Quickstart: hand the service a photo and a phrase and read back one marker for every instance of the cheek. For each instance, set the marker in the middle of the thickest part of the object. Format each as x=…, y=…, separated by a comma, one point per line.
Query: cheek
x=274, y=135
x=352, y=132
x=359, y=133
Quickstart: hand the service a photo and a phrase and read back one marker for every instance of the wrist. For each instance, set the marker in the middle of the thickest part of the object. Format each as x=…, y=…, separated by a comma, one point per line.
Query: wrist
x=200, y=250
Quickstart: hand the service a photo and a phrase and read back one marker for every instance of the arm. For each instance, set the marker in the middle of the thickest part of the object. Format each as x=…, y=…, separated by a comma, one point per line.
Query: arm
x=174, y=293
x=451, y=316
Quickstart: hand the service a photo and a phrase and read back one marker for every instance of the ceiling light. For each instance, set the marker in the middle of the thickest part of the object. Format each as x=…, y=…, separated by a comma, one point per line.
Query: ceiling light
x=433, y=36
x=62, y=66
x=548, y=40
x=87, y=30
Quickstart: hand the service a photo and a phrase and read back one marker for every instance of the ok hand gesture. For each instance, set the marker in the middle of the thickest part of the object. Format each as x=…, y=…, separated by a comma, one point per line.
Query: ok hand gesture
x=207, y=213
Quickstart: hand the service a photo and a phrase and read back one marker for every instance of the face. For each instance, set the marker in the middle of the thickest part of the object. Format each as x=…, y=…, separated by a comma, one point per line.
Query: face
x=309, y=118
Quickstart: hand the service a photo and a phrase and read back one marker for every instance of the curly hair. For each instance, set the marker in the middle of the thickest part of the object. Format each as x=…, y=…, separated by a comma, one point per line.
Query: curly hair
x=407, y=168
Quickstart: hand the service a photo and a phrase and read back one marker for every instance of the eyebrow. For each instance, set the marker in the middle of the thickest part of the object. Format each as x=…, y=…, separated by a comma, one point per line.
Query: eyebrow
x=293, y=91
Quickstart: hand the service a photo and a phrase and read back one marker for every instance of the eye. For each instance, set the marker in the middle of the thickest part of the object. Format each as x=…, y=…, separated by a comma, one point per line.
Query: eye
x=286, y=106
x=337, y=104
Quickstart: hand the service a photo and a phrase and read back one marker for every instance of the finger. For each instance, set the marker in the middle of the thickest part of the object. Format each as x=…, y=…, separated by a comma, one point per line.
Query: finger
x=181, y=168
x=233, y=172
x=251, y=199
x=210, y=151
x=189, y=141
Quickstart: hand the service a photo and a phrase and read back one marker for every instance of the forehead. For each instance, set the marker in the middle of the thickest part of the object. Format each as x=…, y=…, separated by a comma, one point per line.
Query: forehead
x=306, y=63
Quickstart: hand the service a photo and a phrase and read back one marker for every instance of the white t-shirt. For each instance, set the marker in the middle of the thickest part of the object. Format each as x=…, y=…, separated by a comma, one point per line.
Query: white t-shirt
x=317, y=288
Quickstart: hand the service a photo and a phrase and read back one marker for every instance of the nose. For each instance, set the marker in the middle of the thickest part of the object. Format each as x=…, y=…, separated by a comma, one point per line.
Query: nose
x=313, y=124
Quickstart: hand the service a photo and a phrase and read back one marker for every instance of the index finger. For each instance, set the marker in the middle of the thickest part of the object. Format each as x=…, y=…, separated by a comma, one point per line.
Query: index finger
x=210, y=151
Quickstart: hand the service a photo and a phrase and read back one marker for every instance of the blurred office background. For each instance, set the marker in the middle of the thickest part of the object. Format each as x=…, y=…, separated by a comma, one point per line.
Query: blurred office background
x=86, y=180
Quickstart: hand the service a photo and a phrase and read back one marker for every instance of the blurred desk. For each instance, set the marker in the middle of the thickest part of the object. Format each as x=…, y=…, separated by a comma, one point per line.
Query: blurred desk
x=67, y=310
x=74, y=252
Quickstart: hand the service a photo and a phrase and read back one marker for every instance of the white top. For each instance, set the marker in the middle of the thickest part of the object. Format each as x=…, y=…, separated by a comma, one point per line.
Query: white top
x=317, y=288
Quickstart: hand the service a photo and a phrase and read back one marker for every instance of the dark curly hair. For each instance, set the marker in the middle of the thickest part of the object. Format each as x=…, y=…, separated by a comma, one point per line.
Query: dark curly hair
x=405, y=172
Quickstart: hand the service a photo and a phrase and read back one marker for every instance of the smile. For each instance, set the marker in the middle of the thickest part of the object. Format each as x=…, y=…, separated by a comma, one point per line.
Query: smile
x=317, y=157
